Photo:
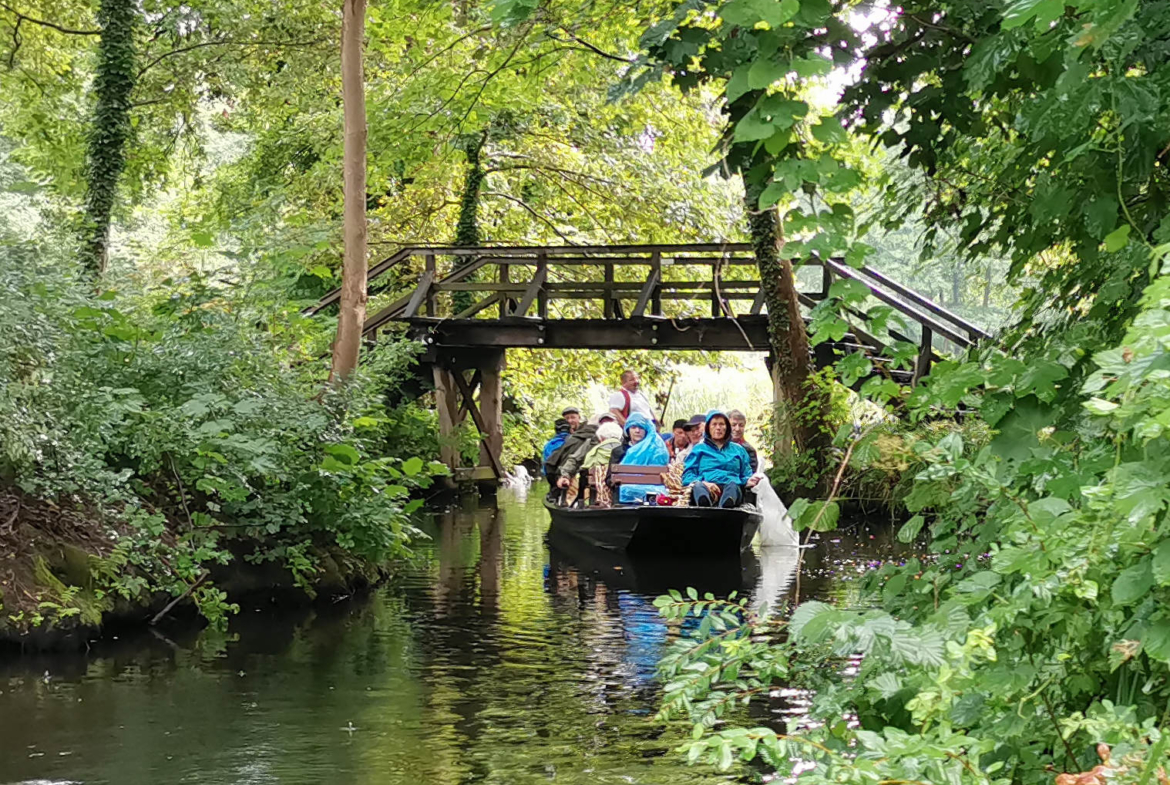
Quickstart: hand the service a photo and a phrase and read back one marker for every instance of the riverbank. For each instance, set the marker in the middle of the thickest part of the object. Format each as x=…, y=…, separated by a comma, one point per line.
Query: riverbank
x=485, y=656
x=67, y=574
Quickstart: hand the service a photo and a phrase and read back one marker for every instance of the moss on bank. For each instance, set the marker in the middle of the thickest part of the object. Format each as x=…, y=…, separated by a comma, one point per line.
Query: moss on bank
x=64, y=576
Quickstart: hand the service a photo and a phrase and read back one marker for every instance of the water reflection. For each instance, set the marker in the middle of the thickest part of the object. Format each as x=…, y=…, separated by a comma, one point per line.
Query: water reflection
x=491, y=657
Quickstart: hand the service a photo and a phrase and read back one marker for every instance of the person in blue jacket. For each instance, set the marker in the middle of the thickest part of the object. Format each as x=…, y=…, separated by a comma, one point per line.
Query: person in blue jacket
x=718, y=467
x=561, y=428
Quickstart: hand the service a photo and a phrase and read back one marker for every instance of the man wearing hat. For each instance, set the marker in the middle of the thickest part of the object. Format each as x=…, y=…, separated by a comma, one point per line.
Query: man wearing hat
x=693, y=428
x=572, y=416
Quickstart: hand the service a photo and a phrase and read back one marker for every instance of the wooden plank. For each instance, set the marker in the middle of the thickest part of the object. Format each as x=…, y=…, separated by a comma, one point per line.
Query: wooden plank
x=477, y=307
x=646, y=332
x=976, y=333
x=535, y=287
x=394, y=309
x=503, y=277
x=481, y=286
x=607, y=303
x=476, y=378
x=656, y=296
x=421, y=293
x=430, y=301
x=925, y=355
x=541, y=295
x=887, y=298
x=648, y=289
x=445, y=400
x=372, y=274
x=758, y=303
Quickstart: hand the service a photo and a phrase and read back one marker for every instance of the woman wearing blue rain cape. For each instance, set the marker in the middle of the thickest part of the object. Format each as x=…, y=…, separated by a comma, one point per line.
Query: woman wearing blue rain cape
x=642, y=451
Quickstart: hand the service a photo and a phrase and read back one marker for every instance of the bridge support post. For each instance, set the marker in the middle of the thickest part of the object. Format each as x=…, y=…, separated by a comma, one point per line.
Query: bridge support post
x=491, y=407
x=455, y=399
x=447, y=403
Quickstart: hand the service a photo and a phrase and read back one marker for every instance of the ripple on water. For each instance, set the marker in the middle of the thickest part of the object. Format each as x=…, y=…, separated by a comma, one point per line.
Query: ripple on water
x=487, y=658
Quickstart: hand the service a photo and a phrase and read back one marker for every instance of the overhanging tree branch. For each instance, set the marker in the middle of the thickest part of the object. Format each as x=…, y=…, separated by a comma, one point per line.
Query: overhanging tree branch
x=33, y=20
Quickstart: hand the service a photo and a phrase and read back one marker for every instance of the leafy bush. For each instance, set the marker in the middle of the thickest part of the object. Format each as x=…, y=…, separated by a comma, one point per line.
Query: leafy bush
x=196, y=419
x=1036, y=628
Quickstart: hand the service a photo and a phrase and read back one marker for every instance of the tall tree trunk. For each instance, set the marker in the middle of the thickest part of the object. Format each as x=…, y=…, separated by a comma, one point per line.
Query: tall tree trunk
x=352, y=315
x=467, y=230
x=987, y=288
x=106, y=157
x=801, y=423
x=956, y=285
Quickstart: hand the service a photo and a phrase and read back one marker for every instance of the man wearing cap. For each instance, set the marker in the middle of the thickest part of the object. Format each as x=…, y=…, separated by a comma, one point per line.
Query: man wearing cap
x=567, y=459
x=572, y=416
x=694, y=433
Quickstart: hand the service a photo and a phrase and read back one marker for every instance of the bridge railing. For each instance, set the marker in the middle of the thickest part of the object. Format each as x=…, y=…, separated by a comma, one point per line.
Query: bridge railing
x=711, y=280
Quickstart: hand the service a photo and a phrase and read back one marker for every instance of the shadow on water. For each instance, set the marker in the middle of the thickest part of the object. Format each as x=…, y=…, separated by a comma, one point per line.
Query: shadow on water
x=490, y=657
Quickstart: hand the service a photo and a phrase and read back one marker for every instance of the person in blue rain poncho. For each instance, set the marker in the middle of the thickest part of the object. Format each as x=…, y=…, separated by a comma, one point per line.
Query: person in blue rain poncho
x=644, y=449
x=717, y=469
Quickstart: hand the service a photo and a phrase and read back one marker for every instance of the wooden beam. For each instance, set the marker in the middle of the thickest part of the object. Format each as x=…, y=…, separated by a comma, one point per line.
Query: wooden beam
x=476, y=378
x=925, y=355
x=647, y=332
x=881, y=294
x=421, y=293
x=394, y=309
x=607, y=303
x=446, y=403
x=648, y=289
x=758, y=303
x=656, y=269
x=477, y=307
x=372, y=274
x=430, y=301
x=541, y=294
x=975, y=332
x=535, y=287
x=477, y=418
x=504, y=275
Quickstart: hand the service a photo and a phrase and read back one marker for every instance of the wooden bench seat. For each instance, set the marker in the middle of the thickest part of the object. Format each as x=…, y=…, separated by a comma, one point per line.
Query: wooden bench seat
x=636, y=475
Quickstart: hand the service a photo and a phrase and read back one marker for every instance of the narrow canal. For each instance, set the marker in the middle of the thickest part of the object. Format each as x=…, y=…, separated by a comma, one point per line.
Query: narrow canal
x=489, y=658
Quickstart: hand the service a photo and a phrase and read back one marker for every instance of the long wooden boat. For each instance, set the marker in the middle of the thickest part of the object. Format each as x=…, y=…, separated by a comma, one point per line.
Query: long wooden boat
x=572, y=561
x=710, y=532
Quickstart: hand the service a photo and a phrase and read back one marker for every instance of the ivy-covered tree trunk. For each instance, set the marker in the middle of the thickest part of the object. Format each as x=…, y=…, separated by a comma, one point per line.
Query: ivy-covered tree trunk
x=800, y=420
x=352, y=314
x=113, y=83
x=467, y=230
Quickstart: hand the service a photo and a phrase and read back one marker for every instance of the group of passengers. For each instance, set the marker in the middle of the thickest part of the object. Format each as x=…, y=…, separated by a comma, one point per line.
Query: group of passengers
x=713, y=465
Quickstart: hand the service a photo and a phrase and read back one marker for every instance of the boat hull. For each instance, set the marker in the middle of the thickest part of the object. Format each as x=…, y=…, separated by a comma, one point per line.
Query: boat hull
x=660, y=531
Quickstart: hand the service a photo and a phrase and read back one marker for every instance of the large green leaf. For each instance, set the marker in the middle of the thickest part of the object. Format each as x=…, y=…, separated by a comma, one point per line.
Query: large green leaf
x=1133, y=583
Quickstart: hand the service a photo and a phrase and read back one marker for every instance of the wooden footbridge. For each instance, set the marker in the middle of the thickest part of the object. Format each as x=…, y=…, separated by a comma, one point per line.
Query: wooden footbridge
x=469, y=305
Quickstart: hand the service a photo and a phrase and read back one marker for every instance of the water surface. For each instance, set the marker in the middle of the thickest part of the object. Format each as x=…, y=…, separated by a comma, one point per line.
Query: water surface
x=489, y=658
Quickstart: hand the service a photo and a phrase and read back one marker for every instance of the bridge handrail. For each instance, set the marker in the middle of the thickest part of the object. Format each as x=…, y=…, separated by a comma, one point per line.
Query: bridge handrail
x=933, y=317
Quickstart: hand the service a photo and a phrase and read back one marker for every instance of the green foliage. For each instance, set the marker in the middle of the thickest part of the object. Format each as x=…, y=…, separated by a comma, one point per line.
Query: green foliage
x=110, y=130
x=1035, y=628
x=173, y=414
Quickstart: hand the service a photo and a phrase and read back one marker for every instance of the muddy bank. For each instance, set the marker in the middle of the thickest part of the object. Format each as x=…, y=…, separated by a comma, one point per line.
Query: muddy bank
x=65, y=580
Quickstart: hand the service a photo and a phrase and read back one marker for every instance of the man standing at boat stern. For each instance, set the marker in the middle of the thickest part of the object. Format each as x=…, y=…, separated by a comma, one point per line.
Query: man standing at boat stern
x=738, y=426
x=629, y=399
